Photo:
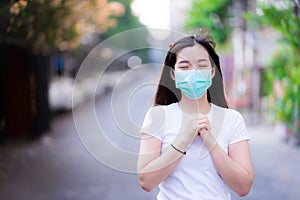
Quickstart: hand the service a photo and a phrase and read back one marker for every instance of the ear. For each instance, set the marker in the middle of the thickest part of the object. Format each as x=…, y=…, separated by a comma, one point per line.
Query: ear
x=213, y=72
x=172, y=74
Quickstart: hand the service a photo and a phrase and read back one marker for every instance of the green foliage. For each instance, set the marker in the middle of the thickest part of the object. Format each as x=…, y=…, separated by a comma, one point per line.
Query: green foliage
x=286, y=20
x=211, y=15
x=281, y=76
x=284, y=67
x=125, y=22
x=276, y=70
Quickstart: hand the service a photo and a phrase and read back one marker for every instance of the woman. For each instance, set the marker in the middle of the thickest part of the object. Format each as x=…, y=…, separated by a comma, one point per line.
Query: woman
x=193, y=146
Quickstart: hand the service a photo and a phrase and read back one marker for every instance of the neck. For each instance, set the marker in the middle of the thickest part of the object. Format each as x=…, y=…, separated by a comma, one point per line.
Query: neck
x=199, y=106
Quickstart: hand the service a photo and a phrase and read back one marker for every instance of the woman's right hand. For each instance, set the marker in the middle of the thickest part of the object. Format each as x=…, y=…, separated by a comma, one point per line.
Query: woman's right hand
x=188, y=130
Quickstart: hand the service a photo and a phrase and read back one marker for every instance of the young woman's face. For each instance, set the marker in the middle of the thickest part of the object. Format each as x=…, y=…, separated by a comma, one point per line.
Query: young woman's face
x=195, y=57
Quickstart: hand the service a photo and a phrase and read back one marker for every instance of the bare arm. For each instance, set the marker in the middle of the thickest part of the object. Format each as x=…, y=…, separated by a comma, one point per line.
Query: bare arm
x=235, y=168
x=154, y=167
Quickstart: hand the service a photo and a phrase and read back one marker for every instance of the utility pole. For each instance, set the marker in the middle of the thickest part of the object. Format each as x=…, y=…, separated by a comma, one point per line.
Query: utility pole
x=254, y=66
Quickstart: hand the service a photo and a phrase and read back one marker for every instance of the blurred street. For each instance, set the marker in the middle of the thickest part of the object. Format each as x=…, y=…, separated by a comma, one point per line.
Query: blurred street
x=59, y=167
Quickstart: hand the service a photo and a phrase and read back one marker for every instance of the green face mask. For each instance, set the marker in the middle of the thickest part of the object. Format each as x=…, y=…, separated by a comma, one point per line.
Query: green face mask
x=193, y=83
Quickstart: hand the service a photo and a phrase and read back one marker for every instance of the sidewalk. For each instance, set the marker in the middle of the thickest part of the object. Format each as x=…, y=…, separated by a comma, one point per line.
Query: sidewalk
x=58, y=167
x=276, y=165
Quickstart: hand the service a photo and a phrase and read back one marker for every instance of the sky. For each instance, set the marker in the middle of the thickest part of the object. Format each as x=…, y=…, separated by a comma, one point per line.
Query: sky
x=153, y=13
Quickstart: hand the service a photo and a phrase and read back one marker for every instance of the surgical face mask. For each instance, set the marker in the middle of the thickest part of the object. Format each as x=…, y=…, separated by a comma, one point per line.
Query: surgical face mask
x=193, y=83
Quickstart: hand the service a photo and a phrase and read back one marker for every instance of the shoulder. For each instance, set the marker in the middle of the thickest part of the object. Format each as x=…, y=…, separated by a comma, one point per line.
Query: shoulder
x=234, y=114
x=163, y=109
x=172, y=106
x=229, y=112
x=161, y=112
x=234, y=126
x=231, y=116
x=158, y=119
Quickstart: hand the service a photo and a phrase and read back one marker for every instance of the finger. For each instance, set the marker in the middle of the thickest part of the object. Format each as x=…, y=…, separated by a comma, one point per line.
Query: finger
x=203, y=118
x=203, y=121
x=203, y=126
x=203, y=133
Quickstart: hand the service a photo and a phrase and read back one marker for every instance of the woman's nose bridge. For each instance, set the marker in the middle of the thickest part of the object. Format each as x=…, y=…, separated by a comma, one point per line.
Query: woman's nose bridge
x=193, y=64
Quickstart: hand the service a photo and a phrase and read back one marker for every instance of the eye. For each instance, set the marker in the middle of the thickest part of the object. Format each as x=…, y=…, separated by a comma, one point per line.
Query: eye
x=183, y=66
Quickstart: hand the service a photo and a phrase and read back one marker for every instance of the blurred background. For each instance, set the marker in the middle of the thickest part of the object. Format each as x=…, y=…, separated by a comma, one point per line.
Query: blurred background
x=43, y=44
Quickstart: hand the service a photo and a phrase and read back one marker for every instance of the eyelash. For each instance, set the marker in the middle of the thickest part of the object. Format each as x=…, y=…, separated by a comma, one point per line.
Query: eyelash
x=185, y=66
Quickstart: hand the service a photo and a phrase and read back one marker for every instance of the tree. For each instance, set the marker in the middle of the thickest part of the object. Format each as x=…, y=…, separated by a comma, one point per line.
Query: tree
x=126, y=21
x=284, y=67
x=44, y=25
x=212, y=15
x=31, y=32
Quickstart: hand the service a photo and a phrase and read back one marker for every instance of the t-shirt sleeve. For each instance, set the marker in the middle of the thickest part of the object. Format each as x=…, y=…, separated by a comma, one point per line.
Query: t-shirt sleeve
x=239, y=131
x=154, y=122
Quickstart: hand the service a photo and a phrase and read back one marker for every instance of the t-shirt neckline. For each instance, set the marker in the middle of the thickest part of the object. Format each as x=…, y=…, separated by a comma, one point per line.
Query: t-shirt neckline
x=209, y=114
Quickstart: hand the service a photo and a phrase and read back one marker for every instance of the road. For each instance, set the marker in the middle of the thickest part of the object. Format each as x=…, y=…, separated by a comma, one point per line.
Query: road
x=83, y=159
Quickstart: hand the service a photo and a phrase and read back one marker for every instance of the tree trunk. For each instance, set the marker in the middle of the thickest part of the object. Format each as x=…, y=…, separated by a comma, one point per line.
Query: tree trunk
x=24, y=93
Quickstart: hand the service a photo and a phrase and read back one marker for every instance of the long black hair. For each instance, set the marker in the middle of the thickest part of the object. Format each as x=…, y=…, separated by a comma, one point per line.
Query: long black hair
x=167, y=93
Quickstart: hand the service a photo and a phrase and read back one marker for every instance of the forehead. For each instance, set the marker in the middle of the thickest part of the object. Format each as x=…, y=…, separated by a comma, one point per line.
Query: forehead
x=196, y=52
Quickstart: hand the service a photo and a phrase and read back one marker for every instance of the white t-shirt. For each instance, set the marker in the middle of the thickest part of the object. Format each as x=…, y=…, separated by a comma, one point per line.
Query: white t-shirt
x=195, y=177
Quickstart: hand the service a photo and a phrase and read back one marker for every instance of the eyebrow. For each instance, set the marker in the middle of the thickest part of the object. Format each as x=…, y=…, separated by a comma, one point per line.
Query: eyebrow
x=185, y=61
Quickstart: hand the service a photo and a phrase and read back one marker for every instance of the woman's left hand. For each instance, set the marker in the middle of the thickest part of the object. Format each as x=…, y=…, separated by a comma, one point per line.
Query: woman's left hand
x=205, y=132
